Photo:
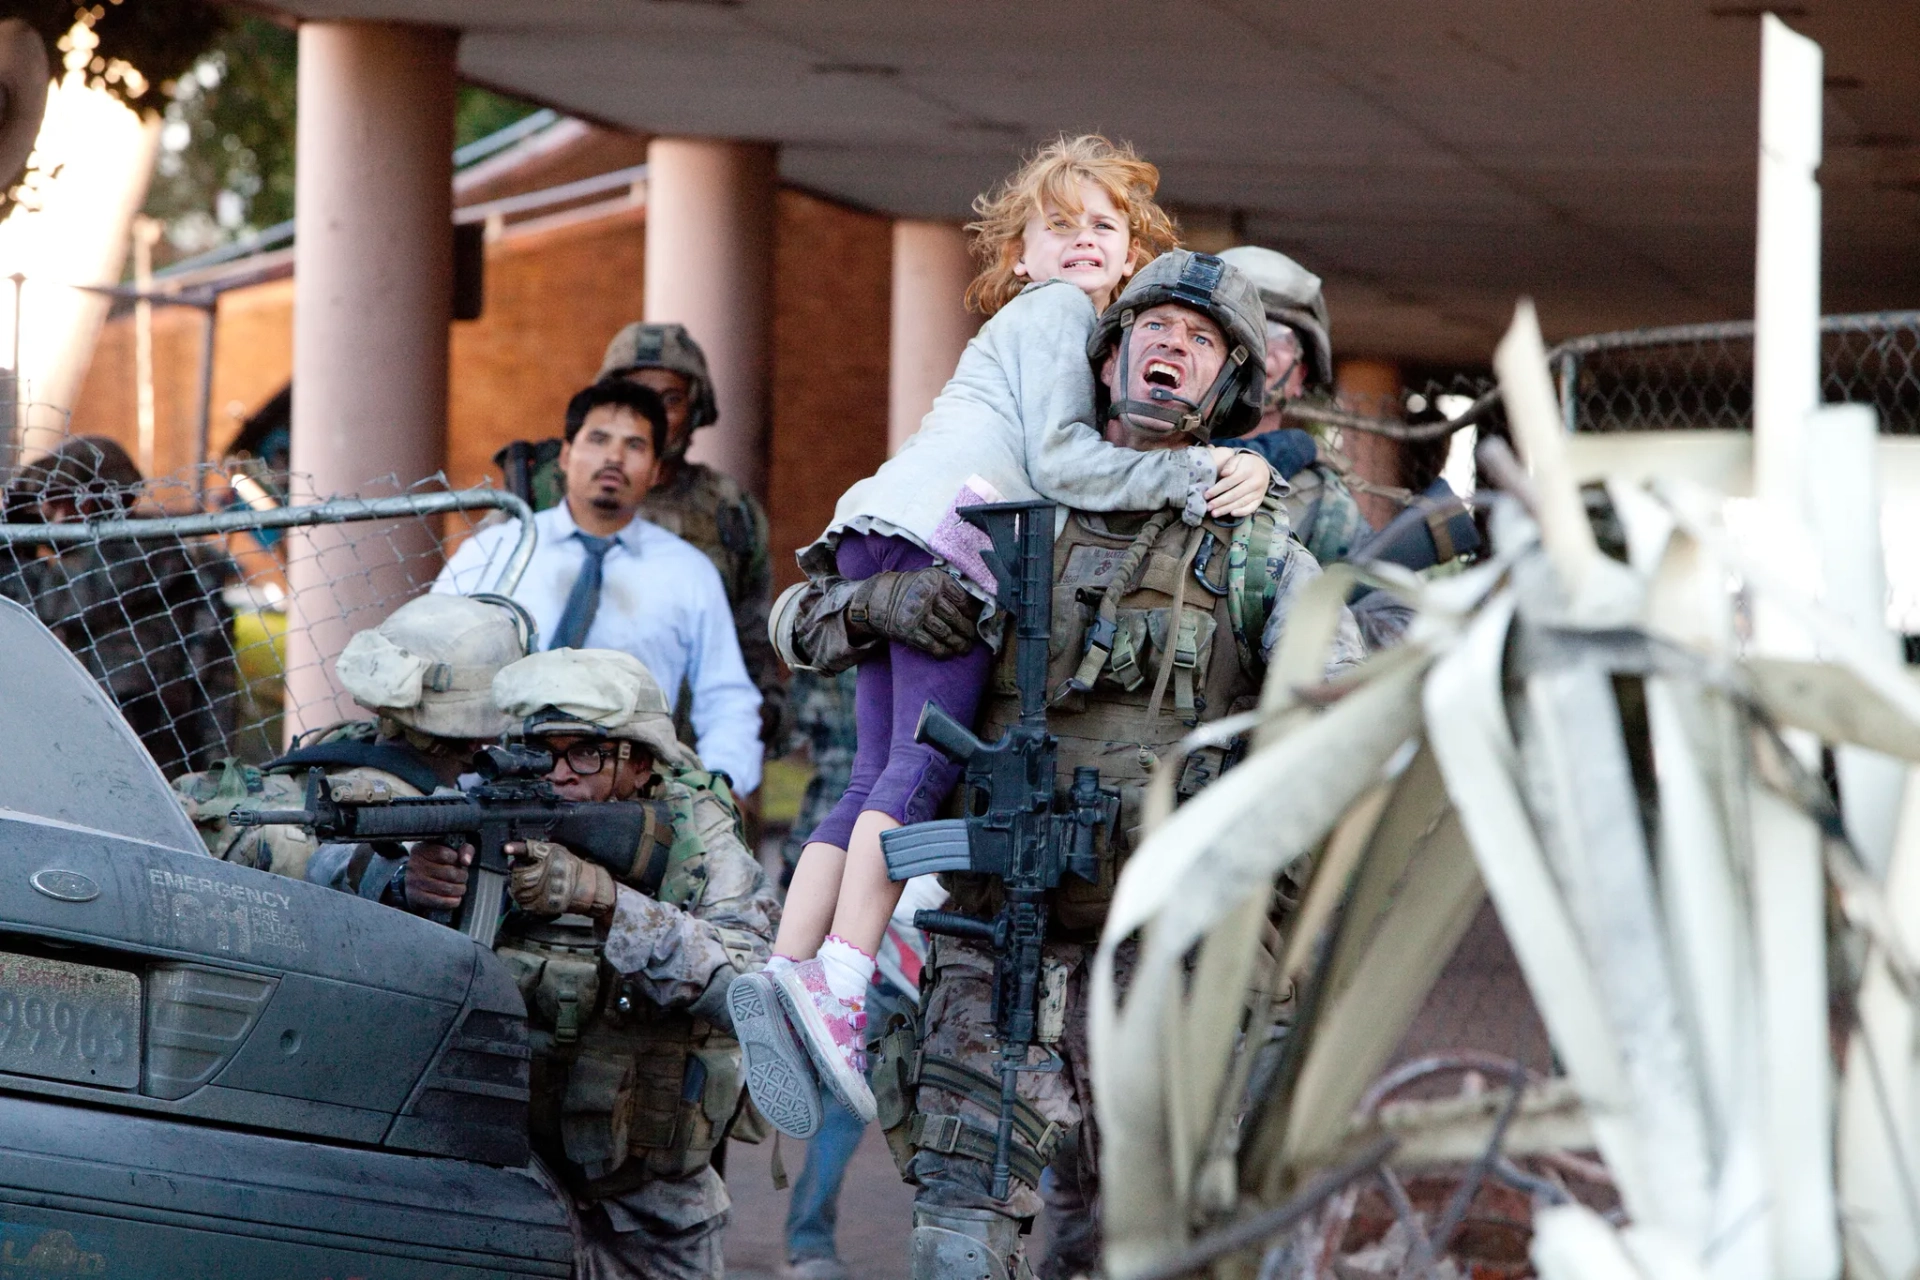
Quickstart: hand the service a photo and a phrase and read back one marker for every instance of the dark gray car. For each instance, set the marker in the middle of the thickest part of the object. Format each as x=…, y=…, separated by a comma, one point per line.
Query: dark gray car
x=211, y=1071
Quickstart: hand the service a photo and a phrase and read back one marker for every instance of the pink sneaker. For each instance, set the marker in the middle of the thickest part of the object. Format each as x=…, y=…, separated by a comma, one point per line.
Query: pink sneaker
x=780, y=1073
x=831, y=1032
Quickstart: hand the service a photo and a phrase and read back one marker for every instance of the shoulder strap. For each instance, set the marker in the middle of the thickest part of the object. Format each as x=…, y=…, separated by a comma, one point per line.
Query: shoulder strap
x=402, y=762
x=713, y=782
x=1249, y=586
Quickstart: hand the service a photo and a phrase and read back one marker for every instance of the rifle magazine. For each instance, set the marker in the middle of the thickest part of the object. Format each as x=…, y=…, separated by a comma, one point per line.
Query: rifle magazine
x=927, y=847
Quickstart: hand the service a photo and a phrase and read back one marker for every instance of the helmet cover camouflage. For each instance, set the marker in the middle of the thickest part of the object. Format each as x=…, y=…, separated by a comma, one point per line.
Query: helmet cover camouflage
x=430, y=665
x=1291, y=295
x=669, y=347
x=602, y=693
x=1217, y=290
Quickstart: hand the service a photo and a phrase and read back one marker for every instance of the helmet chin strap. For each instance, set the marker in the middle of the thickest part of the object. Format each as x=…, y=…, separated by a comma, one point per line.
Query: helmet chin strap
x=1196, y=419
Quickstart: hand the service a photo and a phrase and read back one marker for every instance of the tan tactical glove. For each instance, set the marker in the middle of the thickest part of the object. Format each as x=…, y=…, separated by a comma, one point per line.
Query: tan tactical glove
x=549, y=881
x=925, y=608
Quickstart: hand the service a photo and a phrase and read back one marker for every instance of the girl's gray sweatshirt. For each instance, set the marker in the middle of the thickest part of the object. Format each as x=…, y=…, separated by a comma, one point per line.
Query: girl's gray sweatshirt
x=1016, y=413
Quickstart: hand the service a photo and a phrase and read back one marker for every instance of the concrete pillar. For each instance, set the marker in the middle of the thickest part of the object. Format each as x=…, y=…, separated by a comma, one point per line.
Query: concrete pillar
x=710, y=208
x=373, y=292
x=931, y=324
x=1372, y=387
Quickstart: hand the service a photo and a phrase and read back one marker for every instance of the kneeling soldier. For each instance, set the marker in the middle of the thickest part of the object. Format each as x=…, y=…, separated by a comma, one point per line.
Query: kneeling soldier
x=426, y=675
x=636, y=1074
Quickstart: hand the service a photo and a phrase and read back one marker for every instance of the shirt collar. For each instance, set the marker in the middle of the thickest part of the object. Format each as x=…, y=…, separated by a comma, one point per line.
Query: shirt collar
x=632, y=537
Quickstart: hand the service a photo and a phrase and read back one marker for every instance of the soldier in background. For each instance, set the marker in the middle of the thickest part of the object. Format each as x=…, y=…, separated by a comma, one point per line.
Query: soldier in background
x=823, y=720
x=636, y=1074
x=426, y=675
x=1299, y=363
x=143, y=616
x=702, y=505
x=1435, y=527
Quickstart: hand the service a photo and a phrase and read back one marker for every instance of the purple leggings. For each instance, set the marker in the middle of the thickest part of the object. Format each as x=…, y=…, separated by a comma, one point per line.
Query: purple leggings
x=893, y=774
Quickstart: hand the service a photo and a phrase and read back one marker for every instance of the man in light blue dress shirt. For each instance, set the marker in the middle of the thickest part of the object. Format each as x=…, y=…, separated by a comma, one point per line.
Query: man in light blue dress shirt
x=603, y=578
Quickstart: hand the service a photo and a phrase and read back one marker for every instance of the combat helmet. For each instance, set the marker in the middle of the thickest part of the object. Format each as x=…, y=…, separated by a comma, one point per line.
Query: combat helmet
x=94, y=472
x=602, y=693
x=670, y=347
x=1291, y=295
x=430, y=665
x=1201, y=281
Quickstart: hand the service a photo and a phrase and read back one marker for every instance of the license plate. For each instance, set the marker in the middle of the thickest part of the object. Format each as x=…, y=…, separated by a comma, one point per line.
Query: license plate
x=69, y=1021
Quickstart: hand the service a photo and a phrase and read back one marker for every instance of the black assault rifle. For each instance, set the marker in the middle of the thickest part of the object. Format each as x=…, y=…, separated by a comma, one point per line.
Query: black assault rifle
x=512, y=802
x=1019, y=827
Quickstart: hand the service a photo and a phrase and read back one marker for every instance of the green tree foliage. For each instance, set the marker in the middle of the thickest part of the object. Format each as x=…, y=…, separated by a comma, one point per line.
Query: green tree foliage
x=227, y=89
x=226, y=151
x=481, y=112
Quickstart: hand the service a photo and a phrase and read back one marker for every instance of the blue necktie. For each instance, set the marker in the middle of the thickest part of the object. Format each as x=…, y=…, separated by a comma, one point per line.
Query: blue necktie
x=584, y=601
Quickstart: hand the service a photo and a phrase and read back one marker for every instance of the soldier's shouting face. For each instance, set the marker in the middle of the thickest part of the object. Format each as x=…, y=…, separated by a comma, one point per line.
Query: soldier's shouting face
x=1173, y=356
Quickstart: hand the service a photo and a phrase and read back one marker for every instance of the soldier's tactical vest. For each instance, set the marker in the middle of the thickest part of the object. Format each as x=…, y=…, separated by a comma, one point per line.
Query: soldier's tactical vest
x=1323, y=514
x=1154, y=630
x=626, y=1092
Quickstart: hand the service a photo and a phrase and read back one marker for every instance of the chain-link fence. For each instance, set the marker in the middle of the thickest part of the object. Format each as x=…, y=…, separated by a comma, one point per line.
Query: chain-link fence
x=197, y=605
x=1696, y=377
x=1700, y=377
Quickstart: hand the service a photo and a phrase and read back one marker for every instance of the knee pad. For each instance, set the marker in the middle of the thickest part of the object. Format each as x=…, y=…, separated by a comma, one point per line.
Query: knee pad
x=965, y=1244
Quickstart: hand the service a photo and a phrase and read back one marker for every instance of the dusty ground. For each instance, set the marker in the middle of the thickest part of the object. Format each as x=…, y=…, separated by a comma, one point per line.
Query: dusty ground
x=1480, y=1002
x=875, y=1211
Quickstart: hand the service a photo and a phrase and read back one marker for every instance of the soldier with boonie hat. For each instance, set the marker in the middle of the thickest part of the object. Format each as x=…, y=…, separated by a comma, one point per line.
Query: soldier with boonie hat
x=426, y=673
x=636, y=1076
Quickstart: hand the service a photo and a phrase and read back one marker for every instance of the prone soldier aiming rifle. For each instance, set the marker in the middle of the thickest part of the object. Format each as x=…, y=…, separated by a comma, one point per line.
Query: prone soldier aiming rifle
x=512, y=803
x=1019, y=827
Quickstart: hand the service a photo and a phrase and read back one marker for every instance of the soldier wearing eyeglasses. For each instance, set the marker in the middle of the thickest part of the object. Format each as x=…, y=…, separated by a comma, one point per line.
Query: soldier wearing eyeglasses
x=636, y=1074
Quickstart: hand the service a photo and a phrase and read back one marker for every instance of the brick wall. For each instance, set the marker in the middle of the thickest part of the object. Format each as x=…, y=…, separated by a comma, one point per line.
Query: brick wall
x=252, y=359
x=832, y=296
x=554, y=296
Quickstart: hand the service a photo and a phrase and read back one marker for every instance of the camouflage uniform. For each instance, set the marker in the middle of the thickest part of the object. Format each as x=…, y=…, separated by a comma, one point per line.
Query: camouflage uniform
x=147, y=623
x=345, y=751
x=823, y=715
x=427, y=672
x=144, y=617
x=1322, y=510
x=710, y=510
x=938, y=1092
x=644, y=1003
x=636, y=1074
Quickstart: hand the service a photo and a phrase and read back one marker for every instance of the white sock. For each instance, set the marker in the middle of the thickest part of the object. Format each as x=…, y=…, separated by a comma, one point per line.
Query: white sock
x=848, y=970
x=779, y=962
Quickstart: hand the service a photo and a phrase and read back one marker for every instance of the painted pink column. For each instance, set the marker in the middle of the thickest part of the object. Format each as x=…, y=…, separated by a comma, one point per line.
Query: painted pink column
x=931, y=324
x=1372, y=387
x=373, y=286
x=710, y=210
